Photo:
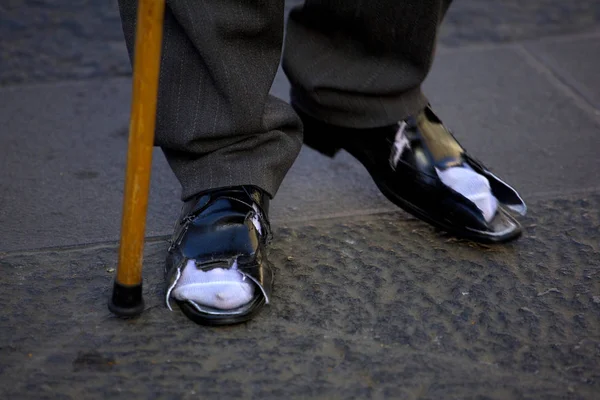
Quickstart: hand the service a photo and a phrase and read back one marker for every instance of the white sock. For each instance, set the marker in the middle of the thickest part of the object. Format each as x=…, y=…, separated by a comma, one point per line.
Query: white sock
x=473, y=186
x=220, y=288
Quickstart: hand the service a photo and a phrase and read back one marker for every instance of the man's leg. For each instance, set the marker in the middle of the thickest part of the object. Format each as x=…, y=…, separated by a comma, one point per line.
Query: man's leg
x=216, y=122
x=229, y=143
x=356, y=70
x=360, y=64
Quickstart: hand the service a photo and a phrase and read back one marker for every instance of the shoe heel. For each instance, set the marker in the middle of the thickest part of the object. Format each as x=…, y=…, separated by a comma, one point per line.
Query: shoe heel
x=318, y=135
x=323, y=146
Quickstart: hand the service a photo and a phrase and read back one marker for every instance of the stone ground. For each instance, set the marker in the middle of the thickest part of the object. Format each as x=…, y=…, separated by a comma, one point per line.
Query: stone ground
x=369, y=302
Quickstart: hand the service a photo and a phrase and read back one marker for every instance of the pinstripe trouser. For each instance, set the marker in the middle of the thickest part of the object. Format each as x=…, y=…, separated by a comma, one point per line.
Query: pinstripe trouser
x=353, y=63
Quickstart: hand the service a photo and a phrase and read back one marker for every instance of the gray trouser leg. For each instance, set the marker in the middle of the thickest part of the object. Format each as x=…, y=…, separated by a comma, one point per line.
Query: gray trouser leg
x=216, y=122
x=359, y=63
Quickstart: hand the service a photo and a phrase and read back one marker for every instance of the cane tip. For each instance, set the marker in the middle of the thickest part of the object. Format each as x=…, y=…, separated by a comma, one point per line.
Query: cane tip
x=126, y=300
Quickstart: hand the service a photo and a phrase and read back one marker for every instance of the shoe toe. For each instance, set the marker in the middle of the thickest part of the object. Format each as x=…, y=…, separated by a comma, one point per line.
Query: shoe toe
x=503, y=227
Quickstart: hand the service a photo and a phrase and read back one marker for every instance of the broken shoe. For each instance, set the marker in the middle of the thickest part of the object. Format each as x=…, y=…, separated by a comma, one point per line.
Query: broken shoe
x=217, y=269
x=419, y=166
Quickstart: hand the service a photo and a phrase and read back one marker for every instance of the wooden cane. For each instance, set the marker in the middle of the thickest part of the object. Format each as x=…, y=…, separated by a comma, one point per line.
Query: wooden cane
x=127, y=299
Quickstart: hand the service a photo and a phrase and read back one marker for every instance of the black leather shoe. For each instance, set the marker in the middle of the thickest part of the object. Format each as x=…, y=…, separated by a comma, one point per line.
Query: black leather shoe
x=216, y=229
x=401, y=163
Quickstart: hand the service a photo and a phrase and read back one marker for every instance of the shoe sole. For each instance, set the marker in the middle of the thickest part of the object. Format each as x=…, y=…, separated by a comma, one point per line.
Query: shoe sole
x=449, y=228
x=219, y=320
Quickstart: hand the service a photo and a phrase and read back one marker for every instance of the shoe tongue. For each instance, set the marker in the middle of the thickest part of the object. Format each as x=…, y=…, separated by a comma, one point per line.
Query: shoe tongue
x=439, y=141
x=237, y=198
x=450, y=162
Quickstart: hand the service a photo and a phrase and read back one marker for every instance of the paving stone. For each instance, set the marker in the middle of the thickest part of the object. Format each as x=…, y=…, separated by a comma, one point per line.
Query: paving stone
x=471, y=22
x=575, y=61
x=368, y=307
x=63, y=164
x=49, y=40
x=516, y=120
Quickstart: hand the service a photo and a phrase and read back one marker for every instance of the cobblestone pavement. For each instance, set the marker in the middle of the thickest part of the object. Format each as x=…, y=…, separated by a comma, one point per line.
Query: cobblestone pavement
x=367, y=307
